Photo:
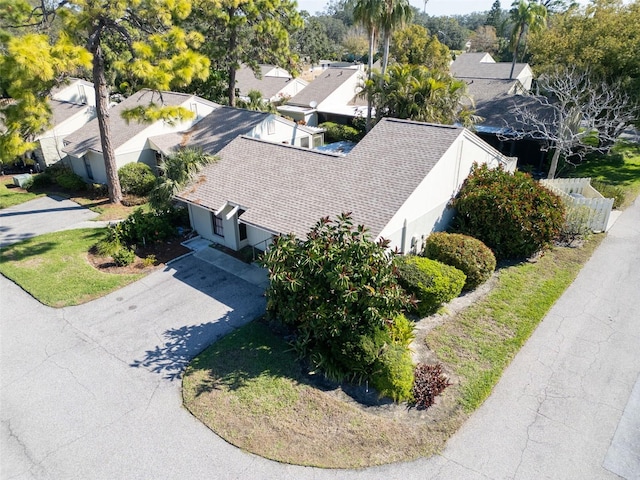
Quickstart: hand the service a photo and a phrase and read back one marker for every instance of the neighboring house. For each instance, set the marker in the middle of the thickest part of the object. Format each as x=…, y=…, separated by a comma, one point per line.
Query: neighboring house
x=332, y=96
x=225, y=124
x=397, y=181
x=129, y=139
x=72, y=106
x=275, y=84
x=481, y=65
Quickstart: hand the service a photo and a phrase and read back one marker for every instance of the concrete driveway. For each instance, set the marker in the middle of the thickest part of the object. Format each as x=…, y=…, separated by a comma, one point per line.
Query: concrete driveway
x=93, y=391
x=42, y=215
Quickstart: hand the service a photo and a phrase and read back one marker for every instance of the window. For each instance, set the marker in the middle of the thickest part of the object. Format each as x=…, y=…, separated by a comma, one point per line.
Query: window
x=271, y=127
x=304, y=142
x=317, y=141
x=217, y=225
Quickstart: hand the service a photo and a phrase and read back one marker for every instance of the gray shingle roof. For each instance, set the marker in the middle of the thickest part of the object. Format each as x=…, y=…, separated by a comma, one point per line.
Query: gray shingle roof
x=323, y=86
x=500, y=111
x=88, y=137
x=288, y=189
x=213, y=132
x=468, y=65
x=268, y=86
x=64, y=110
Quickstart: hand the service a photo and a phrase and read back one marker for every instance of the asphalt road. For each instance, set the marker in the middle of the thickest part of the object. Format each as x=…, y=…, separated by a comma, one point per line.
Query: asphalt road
x=93, y=391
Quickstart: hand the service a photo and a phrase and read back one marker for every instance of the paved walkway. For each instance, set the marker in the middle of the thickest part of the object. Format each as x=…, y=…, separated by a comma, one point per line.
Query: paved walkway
x=93, y=392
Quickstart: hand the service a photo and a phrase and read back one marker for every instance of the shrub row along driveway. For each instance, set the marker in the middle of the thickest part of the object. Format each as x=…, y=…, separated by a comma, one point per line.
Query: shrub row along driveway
x=93, y=391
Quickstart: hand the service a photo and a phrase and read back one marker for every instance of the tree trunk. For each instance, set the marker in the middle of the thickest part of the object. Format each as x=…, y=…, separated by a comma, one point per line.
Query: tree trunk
x=385, y=55
x=515, y=54
x=102, y=111
x=554, y=164
x=232, y=85
x=372, y=40
x=233, y=63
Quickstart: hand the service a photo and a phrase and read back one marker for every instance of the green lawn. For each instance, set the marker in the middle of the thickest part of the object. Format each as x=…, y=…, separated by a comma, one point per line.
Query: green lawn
x=620, y=168
x=54, y=268
x=249, y=389
x=10, y=195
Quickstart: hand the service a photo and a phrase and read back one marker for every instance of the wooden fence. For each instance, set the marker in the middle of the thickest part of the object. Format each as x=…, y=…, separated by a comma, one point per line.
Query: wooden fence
x=578, y=192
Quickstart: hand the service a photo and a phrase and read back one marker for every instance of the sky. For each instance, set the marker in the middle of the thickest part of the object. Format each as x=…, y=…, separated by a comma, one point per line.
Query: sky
x=434, y=7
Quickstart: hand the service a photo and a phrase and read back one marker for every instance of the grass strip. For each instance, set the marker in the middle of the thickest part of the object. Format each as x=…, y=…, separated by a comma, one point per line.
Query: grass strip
x=54, y=269
x=10, y=195
x=479, y=343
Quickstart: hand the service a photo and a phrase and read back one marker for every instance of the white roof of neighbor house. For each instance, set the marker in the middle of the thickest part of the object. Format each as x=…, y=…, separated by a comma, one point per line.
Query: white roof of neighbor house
x=88, y=137
x=288, y=189
x=323, y=86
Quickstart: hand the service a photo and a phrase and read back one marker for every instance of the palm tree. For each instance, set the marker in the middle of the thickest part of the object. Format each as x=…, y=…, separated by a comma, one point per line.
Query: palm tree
x=368, y=13
x=395, y=13
x=526, y=16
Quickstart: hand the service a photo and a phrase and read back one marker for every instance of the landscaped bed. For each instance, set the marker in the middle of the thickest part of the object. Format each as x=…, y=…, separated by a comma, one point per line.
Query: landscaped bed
x=250, y=390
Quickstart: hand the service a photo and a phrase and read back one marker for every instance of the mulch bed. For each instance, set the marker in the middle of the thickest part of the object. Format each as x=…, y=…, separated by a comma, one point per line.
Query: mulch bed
x=162, y=251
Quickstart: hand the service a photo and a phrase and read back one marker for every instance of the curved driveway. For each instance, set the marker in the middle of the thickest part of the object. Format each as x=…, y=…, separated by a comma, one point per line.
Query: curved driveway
x=93, y=391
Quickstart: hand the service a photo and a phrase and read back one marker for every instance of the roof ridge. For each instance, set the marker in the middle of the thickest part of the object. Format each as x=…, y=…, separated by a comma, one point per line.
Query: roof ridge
x=427, y=124
x=288, y=145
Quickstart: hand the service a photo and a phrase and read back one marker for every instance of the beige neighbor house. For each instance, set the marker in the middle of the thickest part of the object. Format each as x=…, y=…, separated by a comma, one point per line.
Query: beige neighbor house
x=332, y=96
x=275, y=83
x=397, y=181
x=72, y=106
x=482, y=66
x=130, y=140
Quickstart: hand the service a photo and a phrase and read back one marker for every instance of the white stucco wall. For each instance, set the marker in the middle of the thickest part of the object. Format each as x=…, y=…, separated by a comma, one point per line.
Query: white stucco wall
x=426, y=208
x=79, y=92
x=526, y=77
x=283, y=131
x=51, y=141
x=291, y=89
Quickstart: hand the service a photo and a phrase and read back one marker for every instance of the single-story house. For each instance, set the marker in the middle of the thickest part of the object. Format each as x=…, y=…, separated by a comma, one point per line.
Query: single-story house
x=72, y=106
x=130, y=140
x=275, y=83
x=332, y=96
x=481, y=65
x=397, y=181
x=224, y=124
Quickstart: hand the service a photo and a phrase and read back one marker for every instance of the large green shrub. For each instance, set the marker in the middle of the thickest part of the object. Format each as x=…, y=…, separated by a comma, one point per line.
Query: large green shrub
x=335, y=132
x=41, y=180
x=338, y=293
x=512, y=214
x=431, y=282
x=466, y=253
x=136, y=178
x=71, y=181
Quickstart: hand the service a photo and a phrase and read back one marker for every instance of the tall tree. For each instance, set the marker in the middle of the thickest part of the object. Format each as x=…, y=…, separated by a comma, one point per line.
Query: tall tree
x=395, y=14
x=576, y=107
x=247, y=32
x=418, y=93
x=603, y=38
x=414, y=45
x=30, y=66
x=494, y=17
x=368, y=13
x=526, y=16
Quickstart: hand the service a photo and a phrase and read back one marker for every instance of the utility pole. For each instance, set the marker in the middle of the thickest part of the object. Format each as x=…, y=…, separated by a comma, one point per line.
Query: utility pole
x=424, y=10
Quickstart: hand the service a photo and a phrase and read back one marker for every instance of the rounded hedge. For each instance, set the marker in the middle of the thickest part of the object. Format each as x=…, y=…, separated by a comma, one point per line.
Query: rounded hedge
x=512, y=214
x=136, y=178
x=466, y=253
x=431, y=282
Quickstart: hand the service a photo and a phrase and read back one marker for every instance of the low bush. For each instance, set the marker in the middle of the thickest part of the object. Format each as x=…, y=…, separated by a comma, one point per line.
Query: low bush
x=42, y=180
x=393, y=375
x=610, y=191
x=512, y=214
x=466, y=253
x=70, y=181
x=335, y=132
x=136, y=178
x=57, y=169
x=124, y=256
x=428, y=383
x=97, y=189
x=401, y=331
x=431, y=282
x=141, y=228
x=576, y=225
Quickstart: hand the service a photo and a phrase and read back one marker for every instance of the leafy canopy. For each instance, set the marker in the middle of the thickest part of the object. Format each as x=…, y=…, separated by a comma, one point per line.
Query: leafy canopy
x=338, y=292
